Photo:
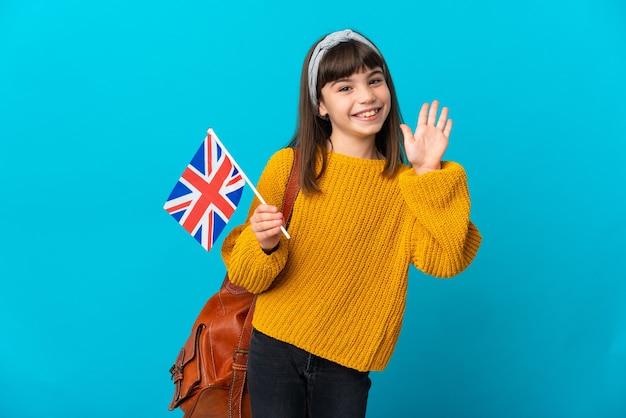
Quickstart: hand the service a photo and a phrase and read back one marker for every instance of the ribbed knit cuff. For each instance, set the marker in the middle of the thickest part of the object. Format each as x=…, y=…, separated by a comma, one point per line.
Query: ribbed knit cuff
x=250, y=267
x=437, y=187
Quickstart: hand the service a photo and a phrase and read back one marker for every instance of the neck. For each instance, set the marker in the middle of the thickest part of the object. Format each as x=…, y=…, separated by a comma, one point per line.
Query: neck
x=355, y=148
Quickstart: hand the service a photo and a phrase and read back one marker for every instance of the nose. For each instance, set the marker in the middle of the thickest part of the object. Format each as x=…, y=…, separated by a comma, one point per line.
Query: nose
x=366, y=94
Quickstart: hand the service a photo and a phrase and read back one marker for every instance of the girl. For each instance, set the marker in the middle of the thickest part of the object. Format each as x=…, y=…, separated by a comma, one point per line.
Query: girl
x=331, y=299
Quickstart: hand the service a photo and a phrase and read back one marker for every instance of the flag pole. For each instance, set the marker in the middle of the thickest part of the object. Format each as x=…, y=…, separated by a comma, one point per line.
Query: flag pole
x=211, y=132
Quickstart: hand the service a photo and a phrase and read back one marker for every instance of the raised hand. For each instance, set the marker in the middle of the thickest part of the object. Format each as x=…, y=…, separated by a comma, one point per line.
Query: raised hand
x=425, y=148
x=266, y=222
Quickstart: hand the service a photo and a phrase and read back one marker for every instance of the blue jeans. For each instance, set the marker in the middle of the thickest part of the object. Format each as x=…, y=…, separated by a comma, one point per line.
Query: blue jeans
x=283, y=381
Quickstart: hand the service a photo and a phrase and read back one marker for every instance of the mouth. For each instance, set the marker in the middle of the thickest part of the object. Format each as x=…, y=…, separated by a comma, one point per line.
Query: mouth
x=370, y=113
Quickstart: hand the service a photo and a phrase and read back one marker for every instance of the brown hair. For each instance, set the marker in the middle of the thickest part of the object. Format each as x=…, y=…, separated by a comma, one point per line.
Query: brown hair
x=312, y=131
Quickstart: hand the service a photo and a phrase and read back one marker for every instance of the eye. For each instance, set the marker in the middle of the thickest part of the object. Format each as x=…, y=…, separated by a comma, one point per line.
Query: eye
x=344, y=88
x=376, y=81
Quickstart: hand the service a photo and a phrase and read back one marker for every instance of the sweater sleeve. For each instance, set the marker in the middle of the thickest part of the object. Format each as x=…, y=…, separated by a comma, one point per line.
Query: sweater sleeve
x=444, y=241
x=246, y=262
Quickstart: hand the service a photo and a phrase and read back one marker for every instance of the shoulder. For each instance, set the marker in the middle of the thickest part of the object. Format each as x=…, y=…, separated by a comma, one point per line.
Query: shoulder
x=282, y=156
x=280, y=162
x=275, y=175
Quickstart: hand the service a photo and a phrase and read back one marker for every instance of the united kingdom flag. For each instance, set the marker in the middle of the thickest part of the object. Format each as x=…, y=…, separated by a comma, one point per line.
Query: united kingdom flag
x=208, y=192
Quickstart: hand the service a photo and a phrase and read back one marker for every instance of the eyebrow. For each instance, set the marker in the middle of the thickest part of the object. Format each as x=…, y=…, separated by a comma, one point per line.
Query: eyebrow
x=372, y=73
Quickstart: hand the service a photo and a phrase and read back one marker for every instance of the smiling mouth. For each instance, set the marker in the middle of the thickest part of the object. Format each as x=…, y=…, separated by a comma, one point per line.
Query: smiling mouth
x=367, y=114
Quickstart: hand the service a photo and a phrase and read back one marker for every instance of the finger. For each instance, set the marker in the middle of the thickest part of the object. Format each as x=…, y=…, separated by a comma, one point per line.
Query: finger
x=423, y=115
x=442, y=118
x=432, y=114
x=258, y=218
x=266, y=209
x=406, y=132
x=267, y=228
x=265, y=213
x=448, y=128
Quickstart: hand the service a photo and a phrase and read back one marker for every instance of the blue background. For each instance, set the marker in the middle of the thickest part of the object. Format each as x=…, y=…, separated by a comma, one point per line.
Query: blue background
x=102, y=104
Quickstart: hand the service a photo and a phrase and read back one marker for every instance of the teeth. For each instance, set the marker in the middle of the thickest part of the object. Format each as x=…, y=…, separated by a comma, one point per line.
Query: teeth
x=368, y=114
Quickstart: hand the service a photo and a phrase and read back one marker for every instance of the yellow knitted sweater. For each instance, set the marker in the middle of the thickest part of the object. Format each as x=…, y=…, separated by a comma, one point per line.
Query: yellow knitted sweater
x=337, y=288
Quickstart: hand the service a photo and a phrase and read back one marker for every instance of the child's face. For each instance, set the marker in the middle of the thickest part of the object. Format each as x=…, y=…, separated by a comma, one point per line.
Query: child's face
x=357, y=105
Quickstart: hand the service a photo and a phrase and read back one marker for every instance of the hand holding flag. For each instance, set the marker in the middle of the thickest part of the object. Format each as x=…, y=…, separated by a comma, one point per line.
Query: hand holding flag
x=208, y=192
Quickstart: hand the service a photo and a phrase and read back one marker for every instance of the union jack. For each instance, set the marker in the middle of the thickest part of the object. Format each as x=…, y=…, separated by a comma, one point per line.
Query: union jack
x=207, y=193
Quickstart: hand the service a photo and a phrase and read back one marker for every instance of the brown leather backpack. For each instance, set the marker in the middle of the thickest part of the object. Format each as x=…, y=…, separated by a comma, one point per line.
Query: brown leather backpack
x=210, y=371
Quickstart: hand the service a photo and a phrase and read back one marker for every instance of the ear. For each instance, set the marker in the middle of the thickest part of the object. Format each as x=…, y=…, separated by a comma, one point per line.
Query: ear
x=321, y=109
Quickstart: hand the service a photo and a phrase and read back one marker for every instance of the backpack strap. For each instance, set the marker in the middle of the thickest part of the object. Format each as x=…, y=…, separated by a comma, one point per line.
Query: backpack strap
x=293, y=187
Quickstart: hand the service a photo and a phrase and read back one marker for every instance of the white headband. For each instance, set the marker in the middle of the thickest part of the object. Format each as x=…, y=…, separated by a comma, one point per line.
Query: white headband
x=325, y=44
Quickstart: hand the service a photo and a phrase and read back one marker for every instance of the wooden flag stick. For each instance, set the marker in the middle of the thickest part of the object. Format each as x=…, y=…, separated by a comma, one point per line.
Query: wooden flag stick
x=211, y=132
